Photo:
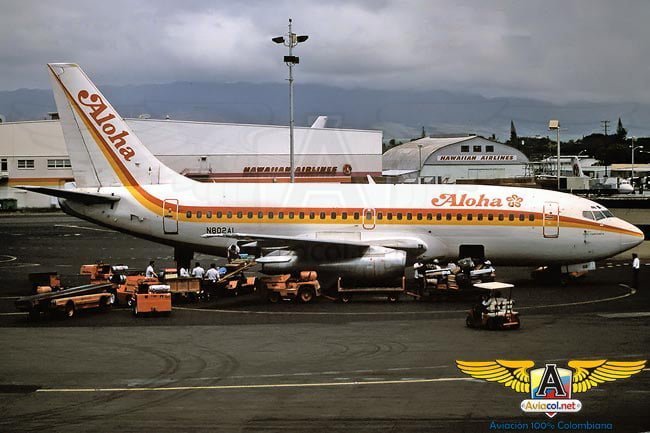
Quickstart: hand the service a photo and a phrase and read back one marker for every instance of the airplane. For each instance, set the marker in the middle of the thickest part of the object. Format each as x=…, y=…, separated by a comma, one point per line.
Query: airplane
x=360, y=231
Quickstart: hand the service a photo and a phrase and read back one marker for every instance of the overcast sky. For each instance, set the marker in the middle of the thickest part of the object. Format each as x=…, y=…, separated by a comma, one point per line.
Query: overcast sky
x=559, y=51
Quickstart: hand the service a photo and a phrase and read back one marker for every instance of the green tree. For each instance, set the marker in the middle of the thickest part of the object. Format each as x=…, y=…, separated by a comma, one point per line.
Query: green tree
x=621, y=133
x=513, y=133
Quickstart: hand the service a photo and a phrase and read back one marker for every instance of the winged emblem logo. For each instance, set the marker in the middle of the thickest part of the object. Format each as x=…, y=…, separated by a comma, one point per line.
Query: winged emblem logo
x=551, y=387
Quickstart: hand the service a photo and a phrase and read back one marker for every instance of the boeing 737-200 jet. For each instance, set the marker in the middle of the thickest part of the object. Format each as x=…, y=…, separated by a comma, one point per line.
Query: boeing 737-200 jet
x=367, y=231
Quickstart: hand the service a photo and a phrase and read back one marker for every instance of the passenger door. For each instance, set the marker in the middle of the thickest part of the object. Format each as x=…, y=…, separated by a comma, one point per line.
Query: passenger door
x=369, y=218
x=170, y=216
x=551, y=220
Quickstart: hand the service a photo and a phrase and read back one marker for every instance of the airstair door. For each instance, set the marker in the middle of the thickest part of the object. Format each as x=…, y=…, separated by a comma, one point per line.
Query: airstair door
x=369, y=218
x=551, y=220
x=170, y=216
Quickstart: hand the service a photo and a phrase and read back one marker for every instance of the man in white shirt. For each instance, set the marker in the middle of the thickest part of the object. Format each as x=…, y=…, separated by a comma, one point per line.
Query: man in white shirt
x=198, y=271
x=150, y=272
x=182, y=272
x=212, y=275
x=636, y=267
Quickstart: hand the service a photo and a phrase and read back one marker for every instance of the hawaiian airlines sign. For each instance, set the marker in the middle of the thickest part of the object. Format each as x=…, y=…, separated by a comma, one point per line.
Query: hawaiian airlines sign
x=482, y=200
x=104, y=123
x=478, y=158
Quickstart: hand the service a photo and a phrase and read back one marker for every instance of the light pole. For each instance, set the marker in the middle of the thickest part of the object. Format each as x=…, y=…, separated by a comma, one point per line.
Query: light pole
x=420, y=169
x=555, y=124
x=291, y=40
x=633, y=147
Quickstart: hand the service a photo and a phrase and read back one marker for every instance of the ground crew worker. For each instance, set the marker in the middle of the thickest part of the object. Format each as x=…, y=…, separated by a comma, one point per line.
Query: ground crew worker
x=212, y=274
x=636, y=268
x=150, y=272
x=198, y=271
x=233, y=253
x=182, y=272
x=420, y=278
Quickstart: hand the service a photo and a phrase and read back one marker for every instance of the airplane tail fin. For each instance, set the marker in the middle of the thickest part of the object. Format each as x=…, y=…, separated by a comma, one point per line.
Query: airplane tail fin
x=103, y=149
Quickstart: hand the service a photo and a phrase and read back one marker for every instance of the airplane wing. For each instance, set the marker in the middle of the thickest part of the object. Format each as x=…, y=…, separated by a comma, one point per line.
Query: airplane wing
x=326, y=238
x=81, y=197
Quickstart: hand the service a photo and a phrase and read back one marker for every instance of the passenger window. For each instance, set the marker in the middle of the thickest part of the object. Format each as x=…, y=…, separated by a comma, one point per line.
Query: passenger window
x=229, y=214
x=419, y=216
x=356, y=215
x=389, y=216
x=480, y=217
x=322, y=215
x=333, y=215
x=198, y=214
x=219, y=214
x=399, y=215
x=344, y=215
x=429, y=216
x=260, y=215
x=522, y=217
x=490, y=217
x=240, y=214
x=501, y=217
x=291, y=215
x=312, y=215
x=438, y=216
x=250, y=215
x=531, y=217
x=511, y=217
x=301, y=215
x=368, y=215
x=459, y=216
x=189, y=214
x=469, y=217
x=380, y=215
x=280, y=215
x=409, y=216
x=270, y=215
x=208, y=214
x=448, y=217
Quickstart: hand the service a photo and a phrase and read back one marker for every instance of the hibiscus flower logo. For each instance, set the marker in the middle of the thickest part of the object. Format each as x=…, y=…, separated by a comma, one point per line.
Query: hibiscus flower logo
x=514, y=200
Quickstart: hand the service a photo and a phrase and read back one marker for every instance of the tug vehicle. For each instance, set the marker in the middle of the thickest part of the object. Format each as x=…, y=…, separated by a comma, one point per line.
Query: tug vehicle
x=494, y=312
x=152, y=298
x=304, y=288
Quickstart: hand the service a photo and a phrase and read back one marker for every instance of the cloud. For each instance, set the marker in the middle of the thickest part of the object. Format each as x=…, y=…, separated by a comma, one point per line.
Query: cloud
x=554, y=50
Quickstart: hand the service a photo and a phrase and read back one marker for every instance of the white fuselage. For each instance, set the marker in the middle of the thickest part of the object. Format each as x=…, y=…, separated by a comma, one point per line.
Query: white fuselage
x=514, y=225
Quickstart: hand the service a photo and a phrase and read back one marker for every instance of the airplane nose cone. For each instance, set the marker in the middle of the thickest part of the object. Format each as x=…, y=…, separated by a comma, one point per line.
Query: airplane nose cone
x=631, y=237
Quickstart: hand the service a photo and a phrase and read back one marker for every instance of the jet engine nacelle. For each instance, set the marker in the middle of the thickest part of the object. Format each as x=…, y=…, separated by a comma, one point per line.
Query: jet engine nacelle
x=374, y=263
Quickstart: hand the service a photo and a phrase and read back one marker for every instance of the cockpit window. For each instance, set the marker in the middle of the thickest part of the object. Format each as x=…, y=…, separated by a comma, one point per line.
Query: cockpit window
x=599, y=215
x=587, y=214
x=608, y=214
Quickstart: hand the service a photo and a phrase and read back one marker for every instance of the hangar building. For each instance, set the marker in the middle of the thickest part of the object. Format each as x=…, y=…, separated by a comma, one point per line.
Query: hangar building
x=34, y=153
x=448, y=159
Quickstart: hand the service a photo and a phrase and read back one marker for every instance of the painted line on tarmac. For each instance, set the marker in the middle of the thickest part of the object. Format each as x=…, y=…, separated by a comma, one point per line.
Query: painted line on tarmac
x=393, y=313
x=323, y=373
x=13, y=314
x=625, y=315
x=72, y=226
x=259, y=386
x=4, y=258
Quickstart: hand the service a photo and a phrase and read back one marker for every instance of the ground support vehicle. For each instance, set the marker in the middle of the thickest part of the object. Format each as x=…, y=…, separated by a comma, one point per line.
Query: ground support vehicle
x=125, y=292
x=183, y=288
x=103, y=273
x=152, y=298
x=67, y=300
x=345, y=294
x=233, y=282
x=304, y=288
x=452, y=281
x=495, y=311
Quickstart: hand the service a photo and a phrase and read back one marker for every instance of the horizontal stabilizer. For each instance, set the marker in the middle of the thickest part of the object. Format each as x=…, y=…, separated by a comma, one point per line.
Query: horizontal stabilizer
x=80, y=197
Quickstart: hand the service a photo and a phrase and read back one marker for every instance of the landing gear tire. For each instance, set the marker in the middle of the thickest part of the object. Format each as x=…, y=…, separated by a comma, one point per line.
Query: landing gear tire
x=345, y=298
x=274, y=297
x=469, y=322
x=393, y=298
